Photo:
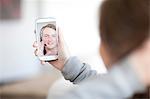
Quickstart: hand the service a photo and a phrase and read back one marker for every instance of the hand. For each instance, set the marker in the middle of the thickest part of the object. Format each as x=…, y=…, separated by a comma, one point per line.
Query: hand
x=63, y=53
x=140, y=59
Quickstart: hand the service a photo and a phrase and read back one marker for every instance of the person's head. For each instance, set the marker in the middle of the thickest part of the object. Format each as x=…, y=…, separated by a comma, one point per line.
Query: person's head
x=49, y=36
x=124, y=26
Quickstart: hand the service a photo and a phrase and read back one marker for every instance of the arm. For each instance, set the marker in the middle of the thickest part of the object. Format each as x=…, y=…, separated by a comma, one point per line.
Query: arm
x=120, y=83
x=76, y=71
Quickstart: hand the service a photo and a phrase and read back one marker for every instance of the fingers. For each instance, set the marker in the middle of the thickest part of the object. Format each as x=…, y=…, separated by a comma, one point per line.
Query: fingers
x=43, y=62
x=60, y=37
x=61, y=42
x=63, y=48
x=35, y=45
x=36, y=52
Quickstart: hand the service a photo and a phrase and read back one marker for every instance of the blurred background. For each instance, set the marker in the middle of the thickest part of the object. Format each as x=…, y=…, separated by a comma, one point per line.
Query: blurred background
x=21, y=74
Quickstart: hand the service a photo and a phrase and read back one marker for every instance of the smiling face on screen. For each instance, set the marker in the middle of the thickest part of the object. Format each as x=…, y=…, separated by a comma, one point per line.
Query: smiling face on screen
x=49, y=38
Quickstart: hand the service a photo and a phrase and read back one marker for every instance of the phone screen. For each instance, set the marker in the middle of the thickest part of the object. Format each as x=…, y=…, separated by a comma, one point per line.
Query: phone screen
x=47, y=39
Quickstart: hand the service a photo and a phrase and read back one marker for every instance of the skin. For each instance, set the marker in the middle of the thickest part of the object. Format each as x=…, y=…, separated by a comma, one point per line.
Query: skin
x=105, y=56
x=49, y=39
x=108, y=59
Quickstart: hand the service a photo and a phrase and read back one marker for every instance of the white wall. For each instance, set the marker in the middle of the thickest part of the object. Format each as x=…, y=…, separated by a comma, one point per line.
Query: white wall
x=18, y=60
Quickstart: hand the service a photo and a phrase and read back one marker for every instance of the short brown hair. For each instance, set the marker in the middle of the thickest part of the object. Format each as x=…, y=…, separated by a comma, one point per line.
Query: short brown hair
x=46, y=26
x=124, y=25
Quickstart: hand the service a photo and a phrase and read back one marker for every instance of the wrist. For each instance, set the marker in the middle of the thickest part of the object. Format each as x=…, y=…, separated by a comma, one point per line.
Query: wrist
x=64, y=61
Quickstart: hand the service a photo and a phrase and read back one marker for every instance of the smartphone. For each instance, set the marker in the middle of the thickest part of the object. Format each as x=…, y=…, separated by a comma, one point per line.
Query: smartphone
x=47, y=38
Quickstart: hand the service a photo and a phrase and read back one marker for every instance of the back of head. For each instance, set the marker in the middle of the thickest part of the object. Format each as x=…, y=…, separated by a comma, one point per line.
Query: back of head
x=124, y=25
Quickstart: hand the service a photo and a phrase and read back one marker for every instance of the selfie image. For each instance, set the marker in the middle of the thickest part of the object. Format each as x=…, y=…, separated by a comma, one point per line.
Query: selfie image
x=74, y=49
x=48, y=39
